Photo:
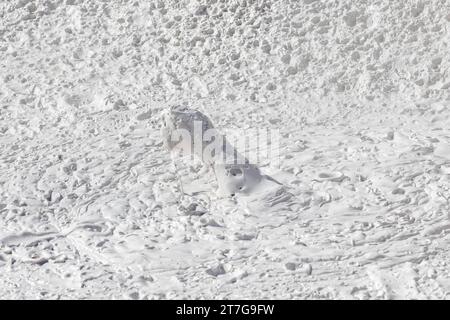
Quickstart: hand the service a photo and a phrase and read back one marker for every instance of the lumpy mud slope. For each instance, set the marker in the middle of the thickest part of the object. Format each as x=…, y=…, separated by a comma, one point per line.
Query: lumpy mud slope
x=92, y=205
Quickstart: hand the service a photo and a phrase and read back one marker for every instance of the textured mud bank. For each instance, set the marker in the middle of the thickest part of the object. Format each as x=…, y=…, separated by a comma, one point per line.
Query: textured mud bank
x=90, y=202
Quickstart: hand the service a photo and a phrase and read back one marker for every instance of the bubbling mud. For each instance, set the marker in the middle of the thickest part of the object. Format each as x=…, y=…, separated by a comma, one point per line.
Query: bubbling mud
x=191, y=133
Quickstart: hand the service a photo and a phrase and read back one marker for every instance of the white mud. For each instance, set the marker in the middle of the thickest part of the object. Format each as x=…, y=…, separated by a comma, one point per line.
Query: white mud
x=91, y=205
